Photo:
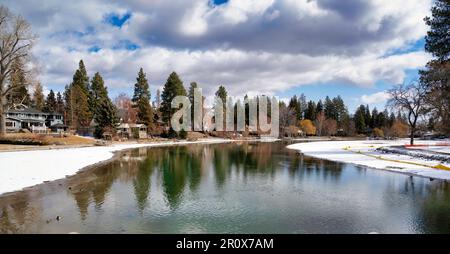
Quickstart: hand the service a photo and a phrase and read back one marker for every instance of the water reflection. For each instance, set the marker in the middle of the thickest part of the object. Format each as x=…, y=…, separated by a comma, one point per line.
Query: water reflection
x=229, y=188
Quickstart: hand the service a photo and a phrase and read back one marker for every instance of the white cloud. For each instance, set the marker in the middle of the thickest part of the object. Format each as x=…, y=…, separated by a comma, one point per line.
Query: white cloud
x=250, y=46
x=375, y=98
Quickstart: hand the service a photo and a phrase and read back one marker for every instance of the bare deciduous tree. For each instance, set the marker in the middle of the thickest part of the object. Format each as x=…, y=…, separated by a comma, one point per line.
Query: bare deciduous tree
x=411, y=99
x=320, y=119
x=16, y=40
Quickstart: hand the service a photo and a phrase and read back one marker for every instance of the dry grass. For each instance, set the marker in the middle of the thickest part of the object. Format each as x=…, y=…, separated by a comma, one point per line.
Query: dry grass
x=52, y=139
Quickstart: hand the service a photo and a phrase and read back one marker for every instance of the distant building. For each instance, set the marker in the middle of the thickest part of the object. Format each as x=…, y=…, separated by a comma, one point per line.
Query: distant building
x=131, y=130
x=33, y=120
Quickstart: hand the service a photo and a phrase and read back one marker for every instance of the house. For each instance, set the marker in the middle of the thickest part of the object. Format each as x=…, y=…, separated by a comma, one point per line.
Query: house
x=55, y=121
x=25, y=118
x=131, y=130
x=33, y=120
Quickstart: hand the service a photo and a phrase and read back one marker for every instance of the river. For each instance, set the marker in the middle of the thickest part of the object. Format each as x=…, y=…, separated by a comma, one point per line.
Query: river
x=248, y=187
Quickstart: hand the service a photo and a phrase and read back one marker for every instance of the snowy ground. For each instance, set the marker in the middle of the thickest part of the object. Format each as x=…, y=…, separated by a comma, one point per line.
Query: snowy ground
x=28, y=168
x=364, y=153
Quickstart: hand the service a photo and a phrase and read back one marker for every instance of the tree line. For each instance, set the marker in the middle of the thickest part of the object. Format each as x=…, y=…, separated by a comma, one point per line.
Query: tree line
x=421, y=105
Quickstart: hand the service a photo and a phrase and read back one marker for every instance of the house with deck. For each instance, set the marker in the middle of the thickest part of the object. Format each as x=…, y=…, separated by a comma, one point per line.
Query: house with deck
x=33, y=120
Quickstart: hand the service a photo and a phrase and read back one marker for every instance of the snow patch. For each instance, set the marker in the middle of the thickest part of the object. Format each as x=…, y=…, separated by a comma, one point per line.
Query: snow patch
x=365, y=153
x=23, y=169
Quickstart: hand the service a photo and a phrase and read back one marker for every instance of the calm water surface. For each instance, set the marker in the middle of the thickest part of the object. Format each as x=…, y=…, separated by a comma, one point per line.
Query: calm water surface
x=229, y=188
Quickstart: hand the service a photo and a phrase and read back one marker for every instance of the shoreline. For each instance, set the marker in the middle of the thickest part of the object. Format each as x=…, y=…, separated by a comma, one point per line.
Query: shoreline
x=364, y=153
x=29, y=168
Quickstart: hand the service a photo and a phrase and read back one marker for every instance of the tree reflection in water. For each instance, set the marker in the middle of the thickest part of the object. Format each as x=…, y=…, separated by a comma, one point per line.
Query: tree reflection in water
x=160, y=182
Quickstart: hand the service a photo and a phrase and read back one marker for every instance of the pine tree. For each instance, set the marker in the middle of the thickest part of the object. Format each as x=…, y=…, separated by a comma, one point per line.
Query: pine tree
x=97, y=92
x=191, y=95
x=391, y=119
x=105, y=113
x=38, y=97
x=310, y=112
x=59, y=103
x=82, y=77
x=340, y=113
x=374, y=119
x=78, y=102
x=329, y=108
x=50, y=102
x=172, y=88
x=437, y=40
x=360, y=119
x=436, y=76
x=141, y=98
x=367, y=116
x=319, y=107
x=222, y=94
x=303, y=105
x=294, y=104
x=18, y=80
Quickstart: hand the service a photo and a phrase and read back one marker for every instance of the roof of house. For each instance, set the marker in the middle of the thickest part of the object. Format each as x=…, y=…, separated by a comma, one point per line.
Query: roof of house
x=58, y=125
x=26, y=111
x=131, y=125
x=33, y=120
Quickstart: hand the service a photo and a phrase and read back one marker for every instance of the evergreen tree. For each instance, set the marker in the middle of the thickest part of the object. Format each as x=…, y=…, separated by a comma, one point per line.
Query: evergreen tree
x=367, y=116
x=82, y=77
x=19, y=82
x=391, y=119
x=437, y=40
x=38, y=97
x=105, y=113
x=383, y=118
x=223, y=94
x=319, y=107
x=302, y=106
x=59, y=103
x=172, y=88
x=436, y=76
x=78, y=102
x=374, y=119
x=310, y=112
x=329, y=108
x=141, y=98
x=340, y=112
x=191, y=95
x=50, y=102
x=294, y=105
x=360, y=119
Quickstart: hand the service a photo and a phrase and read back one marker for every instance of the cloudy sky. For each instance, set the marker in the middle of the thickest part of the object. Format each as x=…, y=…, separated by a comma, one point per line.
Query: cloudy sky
x=353, y=48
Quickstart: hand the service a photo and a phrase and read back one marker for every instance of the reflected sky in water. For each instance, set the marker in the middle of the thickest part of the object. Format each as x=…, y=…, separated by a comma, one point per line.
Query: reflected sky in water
x=229, y=188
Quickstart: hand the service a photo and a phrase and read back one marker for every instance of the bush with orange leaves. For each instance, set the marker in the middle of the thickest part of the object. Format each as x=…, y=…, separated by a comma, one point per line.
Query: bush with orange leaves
x=307, y=127
x=399, y=129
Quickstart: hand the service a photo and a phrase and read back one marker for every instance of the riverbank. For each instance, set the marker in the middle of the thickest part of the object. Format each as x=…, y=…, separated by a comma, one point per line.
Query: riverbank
x=366, y=153
x=22, y=169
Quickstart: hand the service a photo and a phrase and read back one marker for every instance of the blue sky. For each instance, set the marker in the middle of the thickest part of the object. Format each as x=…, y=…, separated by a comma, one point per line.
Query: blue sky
x=280, y=47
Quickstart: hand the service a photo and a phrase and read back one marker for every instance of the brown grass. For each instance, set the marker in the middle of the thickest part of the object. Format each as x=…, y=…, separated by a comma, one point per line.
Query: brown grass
x=53, y=139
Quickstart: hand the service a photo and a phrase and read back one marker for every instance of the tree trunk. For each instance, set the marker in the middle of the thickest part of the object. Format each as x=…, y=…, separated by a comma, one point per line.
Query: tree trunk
x=411, y=142
x=2, y=119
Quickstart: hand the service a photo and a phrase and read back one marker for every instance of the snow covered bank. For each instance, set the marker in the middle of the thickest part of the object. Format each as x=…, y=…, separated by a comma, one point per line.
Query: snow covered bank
x=365, y=153
x=28, y=168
